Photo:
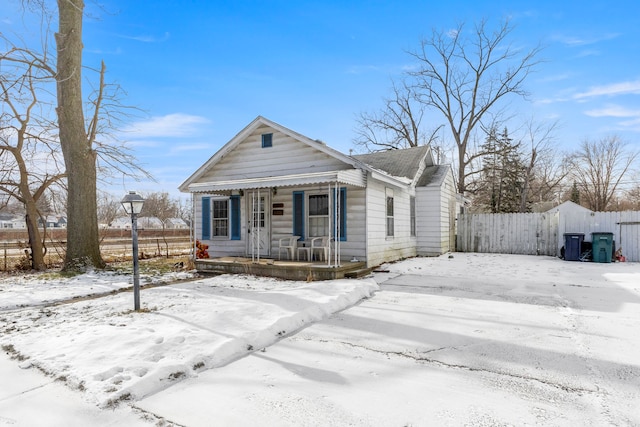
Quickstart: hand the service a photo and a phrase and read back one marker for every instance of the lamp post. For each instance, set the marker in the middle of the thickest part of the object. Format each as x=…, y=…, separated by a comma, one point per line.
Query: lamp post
x=132, y=204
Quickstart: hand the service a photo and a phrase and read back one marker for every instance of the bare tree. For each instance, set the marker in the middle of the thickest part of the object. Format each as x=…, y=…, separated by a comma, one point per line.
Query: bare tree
x=109, y=208
x=542, y=173
x=466, y=78
x=83, y=242
x=161, y=206
x=633, y=197
x=79, y=139
x=28, y=151
x=185, y=211
x=396, y=125
x=598, y=169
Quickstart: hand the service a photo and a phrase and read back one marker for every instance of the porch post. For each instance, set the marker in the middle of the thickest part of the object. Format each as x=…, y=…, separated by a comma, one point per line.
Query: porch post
x=331, y=217
x=192, y=229
x=338, y=221
x=258, y=237
x=251, y=226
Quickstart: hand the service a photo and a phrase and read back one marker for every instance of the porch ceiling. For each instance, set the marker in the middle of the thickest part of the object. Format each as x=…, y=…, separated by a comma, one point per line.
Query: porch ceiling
x=354, y=177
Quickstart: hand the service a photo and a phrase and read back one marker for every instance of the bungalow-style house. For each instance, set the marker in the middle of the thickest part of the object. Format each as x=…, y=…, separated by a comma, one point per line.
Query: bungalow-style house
x=271, y=193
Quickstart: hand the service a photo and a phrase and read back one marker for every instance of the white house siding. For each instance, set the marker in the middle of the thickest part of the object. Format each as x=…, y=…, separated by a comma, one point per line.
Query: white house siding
x=282, y=225
x=220, y=246
x=435, y=210
x=381, y=248
x=249, y=160
x=354, y=246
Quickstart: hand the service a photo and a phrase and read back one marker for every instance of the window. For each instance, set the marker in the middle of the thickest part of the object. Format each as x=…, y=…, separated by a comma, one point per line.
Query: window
x=389, y=215
x=318, y=215
x=267, y=140
x=220, y=214
x=258, y=208
x=412, y=214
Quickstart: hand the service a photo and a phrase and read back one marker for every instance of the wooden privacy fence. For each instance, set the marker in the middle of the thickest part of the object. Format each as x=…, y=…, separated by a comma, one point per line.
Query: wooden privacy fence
x=543, y=233
x=526, y=233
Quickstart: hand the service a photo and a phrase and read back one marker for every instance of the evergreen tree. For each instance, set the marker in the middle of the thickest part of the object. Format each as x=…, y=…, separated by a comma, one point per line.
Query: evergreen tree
x=501, y=181
x=575, y=193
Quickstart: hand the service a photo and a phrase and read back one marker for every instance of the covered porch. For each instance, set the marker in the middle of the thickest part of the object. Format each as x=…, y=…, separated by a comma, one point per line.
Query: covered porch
x=283, y=269
x=261, y=221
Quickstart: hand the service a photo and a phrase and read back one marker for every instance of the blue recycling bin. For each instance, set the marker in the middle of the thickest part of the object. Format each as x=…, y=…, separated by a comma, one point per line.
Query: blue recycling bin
x=602, y=247
x=573, y=246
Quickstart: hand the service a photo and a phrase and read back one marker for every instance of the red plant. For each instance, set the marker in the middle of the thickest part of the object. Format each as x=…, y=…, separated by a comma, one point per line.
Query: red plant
x=201, y=250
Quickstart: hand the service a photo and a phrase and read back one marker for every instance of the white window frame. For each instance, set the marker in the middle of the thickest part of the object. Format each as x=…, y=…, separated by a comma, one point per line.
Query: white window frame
x=214, y=219
x=310, y=226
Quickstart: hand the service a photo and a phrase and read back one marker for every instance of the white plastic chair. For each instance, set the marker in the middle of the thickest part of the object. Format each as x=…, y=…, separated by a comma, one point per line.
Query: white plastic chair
x=289, y=244
x=321, y=245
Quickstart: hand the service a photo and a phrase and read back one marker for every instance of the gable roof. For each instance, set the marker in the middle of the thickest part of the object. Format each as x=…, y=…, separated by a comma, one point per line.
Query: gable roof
x=192, y=183
x=256, y=123
x=569, y=206
x=435, y=175
x=406, y=162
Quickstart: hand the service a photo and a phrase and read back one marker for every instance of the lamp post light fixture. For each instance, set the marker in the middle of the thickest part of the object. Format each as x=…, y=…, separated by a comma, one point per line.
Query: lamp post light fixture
x=132, y=204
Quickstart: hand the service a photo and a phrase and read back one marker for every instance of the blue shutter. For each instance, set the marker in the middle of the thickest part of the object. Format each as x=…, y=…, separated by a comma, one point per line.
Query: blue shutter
x=235, y=217
x=206, y=218
x=298, y=214
x=342, y=214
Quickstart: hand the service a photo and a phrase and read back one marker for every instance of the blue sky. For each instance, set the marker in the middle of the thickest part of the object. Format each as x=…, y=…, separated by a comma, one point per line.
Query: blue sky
x=202, y=70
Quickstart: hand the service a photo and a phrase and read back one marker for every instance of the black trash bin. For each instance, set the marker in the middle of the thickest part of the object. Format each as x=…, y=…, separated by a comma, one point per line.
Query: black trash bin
x=573, y=246
x=602, y=247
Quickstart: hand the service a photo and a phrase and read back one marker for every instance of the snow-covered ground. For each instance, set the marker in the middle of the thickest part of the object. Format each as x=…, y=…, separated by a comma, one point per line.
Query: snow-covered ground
x=112, y=353
x=472, y=339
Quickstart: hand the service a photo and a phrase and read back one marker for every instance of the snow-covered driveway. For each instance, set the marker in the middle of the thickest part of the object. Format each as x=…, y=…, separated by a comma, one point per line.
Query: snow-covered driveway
x=471, y=340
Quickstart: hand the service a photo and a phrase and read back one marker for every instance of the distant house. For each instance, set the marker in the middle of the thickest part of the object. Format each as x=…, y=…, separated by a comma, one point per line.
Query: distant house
x=7, y=220
x=569, y=207
x=121, y=222
x=53, y=221
x=269, y=182
x=176, y=223
x=149, y=222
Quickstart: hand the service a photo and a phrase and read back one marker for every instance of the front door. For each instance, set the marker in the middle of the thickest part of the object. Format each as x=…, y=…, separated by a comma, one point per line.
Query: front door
x=259, y=223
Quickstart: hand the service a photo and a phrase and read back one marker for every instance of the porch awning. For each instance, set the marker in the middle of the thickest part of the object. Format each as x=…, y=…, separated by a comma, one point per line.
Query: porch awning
x=354, y=177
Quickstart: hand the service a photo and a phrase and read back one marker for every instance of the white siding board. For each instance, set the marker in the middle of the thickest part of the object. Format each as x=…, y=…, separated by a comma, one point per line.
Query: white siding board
x=219, y=247
x=434, y=225
x=250, y=160
x=381, y=248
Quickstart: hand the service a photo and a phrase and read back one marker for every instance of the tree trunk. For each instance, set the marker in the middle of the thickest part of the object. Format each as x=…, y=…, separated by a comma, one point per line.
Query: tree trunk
x=83, y=243
x=35, y=241
x=461, y=169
